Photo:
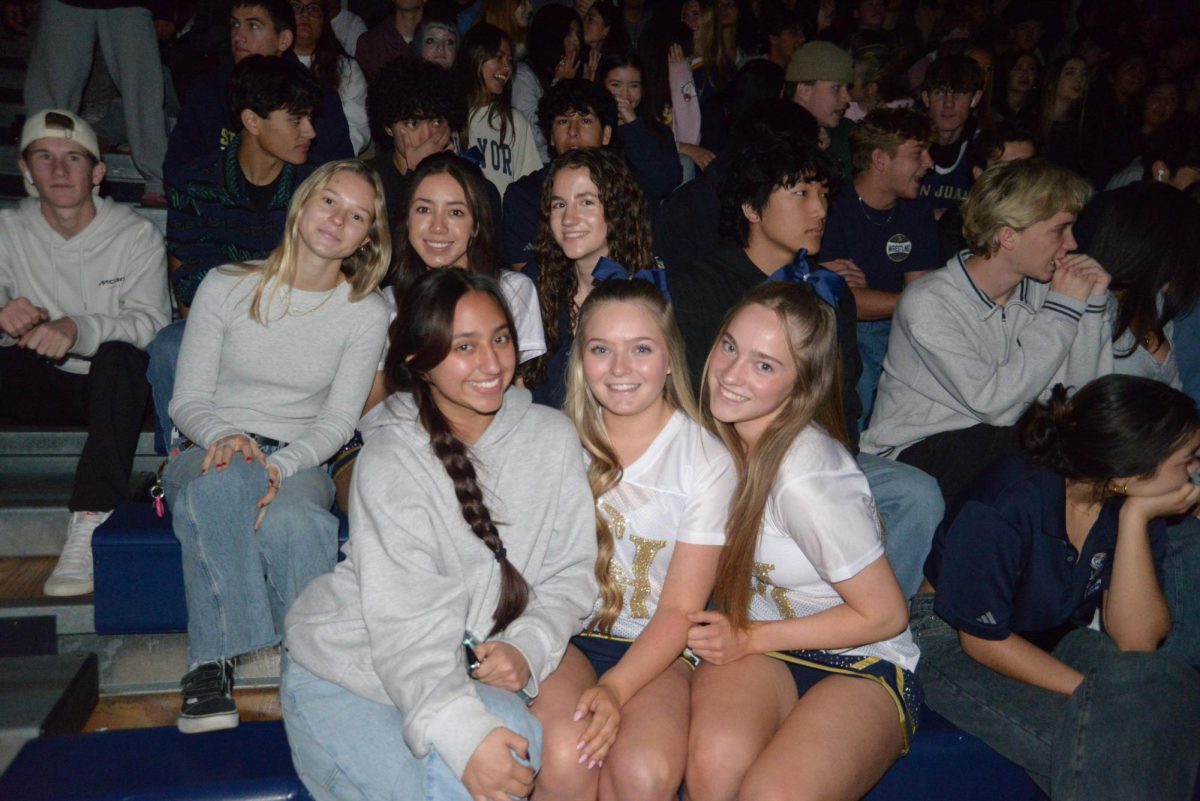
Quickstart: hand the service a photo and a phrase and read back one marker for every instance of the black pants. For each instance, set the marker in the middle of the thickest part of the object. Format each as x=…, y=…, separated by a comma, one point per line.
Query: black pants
x=110, y=401
x=955, y=458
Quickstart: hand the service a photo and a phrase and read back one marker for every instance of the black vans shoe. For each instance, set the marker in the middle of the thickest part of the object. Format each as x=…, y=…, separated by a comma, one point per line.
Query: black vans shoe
x=208, y=699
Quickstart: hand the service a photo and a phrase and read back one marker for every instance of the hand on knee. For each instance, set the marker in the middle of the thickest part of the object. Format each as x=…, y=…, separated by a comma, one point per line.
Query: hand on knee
x=562, y=775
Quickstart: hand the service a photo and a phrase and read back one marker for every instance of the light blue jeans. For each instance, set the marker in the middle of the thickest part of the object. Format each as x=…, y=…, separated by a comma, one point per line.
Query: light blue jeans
x=872, y=347
x=911, y=505
x=240, y=582
x=347, y=748
x=164, y=354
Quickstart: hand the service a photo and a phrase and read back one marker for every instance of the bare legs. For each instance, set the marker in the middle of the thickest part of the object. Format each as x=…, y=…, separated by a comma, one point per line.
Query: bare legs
x=752, y=738
x=646, y=763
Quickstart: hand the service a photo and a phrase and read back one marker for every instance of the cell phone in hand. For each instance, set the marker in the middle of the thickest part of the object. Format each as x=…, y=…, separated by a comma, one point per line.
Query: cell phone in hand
x=473, y=662
x=470, y=643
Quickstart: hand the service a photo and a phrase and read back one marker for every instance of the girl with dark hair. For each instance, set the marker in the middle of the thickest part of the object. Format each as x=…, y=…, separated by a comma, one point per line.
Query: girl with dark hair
x=622, y=73
x=447, y=221
x=1060, y=123
x=591, y=207
x=555, y=42
x=447, y=218
x=807, y=660
x=318, y=49
x=412, y=662
x=662, y=486
x=603, y=33
x=504, y=141
x=1016, y=80
x=1147, y=235
x=1041, y=636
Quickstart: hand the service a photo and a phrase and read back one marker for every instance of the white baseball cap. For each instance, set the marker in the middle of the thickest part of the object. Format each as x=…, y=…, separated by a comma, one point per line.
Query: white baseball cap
x=61, y=124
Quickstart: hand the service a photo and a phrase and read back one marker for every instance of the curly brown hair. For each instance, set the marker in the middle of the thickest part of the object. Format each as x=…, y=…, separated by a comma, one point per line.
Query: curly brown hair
x=629, y=242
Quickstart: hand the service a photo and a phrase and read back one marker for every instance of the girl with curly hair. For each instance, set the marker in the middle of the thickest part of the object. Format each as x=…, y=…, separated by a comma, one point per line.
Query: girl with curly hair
x=662, y=485
x=504, y=141
x=591, y=207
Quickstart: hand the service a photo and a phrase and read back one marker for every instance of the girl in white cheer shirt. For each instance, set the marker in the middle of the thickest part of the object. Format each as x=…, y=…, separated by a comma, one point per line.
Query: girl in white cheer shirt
x=662, y=486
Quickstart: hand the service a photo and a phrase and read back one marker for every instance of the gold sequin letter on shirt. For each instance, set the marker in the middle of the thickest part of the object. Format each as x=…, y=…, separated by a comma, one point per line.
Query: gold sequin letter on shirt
x=642, y=558
x=616, y=520
x=762, y=584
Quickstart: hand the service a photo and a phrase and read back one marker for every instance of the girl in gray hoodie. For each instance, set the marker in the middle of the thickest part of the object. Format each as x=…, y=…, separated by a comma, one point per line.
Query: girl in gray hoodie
x=470, y=515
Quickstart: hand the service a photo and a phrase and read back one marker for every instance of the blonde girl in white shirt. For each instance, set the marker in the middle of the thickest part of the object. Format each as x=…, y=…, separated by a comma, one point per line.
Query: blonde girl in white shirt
x=662, y=485
x=807, y=675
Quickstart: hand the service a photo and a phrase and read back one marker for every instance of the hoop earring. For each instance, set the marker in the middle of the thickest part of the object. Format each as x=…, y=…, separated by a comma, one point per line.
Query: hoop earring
x=1120, y=489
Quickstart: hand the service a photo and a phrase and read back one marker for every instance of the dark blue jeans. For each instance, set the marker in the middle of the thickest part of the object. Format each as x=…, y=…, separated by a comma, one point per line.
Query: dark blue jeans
x=1128, y=731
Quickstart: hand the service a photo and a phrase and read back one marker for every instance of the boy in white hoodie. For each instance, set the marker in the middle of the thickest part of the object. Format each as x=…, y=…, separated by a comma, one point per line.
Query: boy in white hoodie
x=83, y=289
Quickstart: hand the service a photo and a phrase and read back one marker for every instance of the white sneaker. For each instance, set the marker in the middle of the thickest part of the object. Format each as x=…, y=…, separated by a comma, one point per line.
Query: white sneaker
x=73, y=573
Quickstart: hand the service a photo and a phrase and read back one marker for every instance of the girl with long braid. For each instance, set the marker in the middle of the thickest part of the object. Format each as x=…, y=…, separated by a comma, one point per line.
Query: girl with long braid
x=451, y=538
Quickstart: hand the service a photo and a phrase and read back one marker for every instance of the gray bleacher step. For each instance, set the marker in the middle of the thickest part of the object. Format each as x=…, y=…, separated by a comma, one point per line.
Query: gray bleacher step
x=33, y=531
x=33, y=455
x=72, y=615
x=151, y=663
x=43, y=695
x=30, y=441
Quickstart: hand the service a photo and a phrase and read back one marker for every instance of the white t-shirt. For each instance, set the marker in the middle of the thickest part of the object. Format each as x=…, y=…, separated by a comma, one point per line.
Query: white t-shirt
x=677, y=491
x=521, y=296
x=508, y=160
x=820, y=527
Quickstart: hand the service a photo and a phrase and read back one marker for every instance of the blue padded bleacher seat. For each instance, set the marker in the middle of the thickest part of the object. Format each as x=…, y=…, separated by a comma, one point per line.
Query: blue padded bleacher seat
x=947, y=764
x=252, y=763
x=249, y=763
x=139, y=575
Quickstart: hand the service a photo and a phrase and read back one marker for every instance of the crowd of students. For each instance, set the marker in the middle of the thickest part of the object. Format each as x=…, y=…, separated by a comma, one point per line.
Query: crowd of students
x=709, y=386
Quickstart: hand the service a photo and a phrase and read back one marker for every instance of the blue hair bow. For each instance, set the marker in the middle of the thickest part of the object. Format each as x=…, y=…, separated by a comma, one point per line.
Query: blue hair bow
x=829, y=286
x=607, y=269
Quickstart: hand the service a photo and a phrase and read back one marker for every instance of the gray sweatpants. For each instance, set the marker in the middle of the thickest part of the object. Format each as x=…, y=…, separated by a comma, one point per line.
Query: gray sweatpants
x=62, y=58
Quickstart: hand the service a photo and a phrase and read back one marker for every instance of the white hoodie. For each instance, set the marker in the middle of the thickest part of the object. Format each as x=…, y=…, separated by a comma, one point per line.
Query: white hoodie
x=110, y=278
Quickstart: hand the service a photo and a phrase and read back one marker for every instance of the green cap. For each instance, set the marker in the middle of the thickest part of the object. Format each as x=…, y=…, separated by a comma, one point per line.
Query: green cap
x=821, y=61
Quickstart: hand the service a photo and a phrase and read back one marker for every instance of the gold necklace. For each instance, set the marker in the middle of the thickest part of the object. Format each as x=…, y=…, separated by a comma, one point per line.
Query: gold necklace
x=291, y=312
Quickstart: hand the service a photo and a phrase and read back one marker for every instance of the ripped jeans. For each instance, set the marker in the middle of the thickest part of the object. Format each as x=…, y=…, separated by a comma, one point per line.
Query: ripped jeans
x=240, y=582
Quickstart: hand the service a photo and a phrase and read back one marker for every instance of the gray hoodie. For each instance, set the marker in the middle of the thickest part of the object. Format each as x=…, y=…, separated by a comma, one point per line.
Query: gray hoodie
x=387, y=623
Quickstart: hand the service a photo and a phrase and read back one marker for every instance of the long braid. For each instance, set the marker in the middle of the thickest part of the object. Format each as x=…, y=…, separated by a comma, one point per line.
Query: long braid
x=514, y=590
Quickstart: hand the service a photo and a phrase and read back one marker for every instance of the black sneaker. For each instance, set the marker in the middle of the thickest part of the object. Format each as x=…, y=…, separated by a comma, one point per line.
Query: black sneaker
x=208, y=699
